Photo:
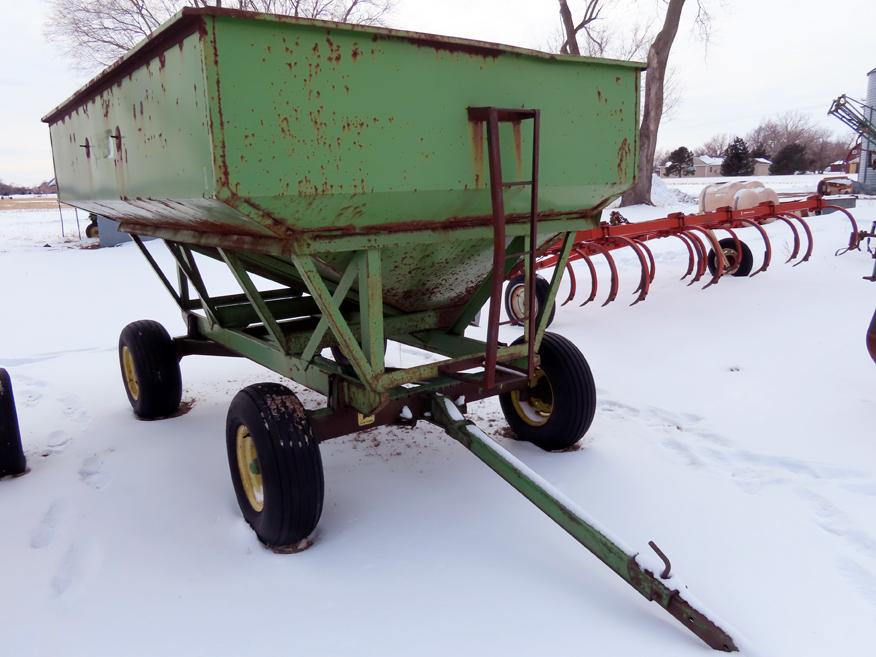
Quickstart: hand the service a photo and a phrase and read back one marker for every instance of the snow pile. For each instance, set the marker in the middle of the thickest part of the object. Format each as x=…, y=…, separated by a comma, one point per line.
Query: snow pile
x=663, y=195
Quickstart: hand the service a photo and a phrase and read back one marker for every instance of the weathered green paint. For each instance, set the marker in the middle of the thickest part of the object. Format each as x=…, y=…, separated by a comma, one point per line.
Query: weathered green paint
x=371, y=308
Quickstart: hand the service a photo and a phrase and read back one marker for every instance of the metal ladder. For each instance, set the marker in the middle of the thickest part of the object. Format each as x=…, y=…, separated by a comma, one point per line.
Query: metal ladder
x=492, y=117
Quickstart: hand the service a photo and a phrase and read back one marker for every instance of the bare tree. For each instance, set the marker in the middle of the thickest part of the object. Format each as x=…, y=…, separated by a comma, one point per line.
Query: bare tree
x=821, y=146
x=591, y=14
x=788, y=128
x=94, y=33
x=599, y=40
x=715, y=146
x=658, y=57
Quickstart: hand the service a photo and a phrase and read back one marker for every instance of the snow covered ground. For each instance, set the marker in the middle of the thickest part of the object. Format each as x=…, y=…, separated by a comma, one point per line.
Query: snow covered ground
x=733, y=428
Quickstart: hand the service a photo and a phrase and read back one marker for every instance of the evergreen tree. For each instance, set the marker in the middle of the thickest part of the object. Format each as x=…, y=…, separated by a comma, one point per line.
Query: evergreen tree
x=680, y=162
x=759, y=151
x=790, y=159
x=737, y=160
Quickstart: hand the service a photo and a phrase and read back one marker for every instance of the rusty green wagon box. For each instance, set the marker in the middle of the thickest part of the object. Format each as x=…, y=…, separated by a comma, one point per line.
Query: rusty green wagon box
x=306, y=132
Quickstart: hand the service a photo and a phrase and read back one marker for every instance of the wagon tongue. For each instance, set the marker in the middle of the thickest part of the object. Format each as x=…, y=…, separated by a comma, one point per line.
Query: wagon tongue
x=563, y=511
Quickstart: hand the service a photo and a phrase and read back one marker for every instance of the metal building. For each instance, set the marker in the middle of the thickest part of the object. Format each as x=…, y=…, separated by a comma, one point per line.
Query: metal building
x=867, y=168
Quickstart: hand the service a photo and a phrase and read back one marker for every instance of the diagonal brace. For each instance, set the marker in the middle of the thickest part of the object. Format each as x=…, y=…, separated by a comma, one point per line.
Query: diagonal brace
x=332, y=317
x=255, y=298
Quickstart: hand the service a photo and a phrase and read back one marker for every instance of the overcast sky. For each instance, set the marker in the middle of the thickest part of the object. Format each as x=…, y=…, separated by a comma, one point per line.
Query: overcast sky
x=765, y=57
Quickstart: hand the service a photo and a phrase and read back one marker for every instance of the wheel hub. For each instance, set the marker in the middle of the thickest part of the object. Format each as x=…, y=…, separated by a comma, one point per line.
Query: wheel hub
x=250, y=469
x=131, y=380
x=731, y=257
x=536, y=403
x=518, y=302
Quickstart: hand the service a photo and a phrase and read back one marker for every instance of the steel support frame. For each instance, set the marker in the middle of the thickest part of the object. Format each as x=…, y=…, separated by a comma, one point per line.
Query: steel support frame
x=285, y=332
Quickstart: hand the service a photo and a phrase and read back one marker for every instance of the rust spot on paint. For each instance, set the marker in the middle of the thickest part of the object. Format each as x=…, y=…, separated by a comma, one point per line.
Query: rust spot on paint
x=518, y=146
x=444, y=45
x=334, y=55
x=161, y=61
x=355, y=54
x=285, y=129
x=623, y=153
x=477, y=145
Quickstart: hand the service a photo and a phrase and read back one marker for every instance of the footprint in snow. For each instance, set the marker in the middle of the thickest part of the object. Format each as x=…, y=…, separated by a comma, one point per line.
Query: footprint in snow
x=57, y=441
x=73, y=409
x=91, y=472
x=860, y=578
x=832, y=520
x=69, y=570
x=44, y=533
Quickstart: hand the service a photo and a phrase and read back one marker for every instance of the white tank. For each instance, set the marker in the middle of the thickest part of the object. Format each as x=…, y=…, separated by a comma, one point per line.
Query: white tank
x=867, y=169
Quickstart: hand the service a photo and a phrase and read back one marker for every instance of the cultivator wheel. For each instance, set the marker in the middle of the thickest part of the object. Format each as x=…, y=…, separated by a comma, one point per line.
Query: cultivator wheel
x=515, y=299
x=275, y=465
x=738, y=259
x=150, y=369
x=557, y=408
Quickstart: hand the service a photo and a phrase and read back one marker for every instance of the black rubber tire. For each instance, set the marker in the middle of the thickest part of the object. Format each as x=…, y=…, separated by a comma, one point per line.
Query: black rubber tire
x=542, y=288
x=745, y=265
x=573, y=397
x=91, y=230
x=12, y=461
x=156, y=366
x=289, y=463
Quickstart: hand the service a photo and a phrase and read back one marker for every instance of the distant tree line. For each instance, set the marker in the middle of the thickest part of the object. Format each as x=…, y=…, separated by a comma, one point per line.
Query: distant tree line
x=8, y=190
x=790, y=141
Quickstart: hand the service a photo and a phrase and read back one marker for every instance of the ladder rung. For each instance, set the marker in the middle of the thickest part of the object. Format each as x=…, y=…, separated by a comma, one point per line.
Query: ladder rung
x=503, y=115
x=517, y=183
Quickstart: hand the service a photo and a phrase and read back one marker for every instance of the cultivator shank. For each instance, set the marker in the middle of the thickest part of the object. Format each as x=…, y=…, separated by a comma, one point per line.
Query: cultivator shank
x=697, y=233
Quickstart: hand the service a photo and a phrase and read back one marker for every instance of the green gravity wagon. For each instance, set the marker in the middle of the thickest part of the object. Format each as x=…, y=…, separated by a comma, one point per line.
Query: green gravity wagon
x=361, y=185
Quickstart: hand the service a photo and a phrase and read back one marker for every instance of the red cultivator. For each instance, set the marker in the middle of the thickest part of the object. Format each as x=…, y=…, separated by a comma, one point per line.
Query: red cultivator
x=697, y=232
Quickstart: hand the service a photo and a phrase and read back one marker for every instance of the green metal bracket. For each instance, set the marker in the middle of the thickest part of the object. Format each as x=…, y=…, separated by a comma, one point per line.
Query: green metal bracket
x=255, y=298
x=572, y=519
x=340, y=292
x=186, y=262
x=331, y=314
x=371, y=308
x=556, y=279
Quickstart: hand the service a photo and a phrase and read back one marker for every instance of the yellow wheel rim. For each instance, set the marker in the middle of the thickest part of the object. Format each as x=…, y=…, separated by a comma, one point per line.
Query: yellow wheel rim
x=250, y=469
x=537, y=408
x=131, y=380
